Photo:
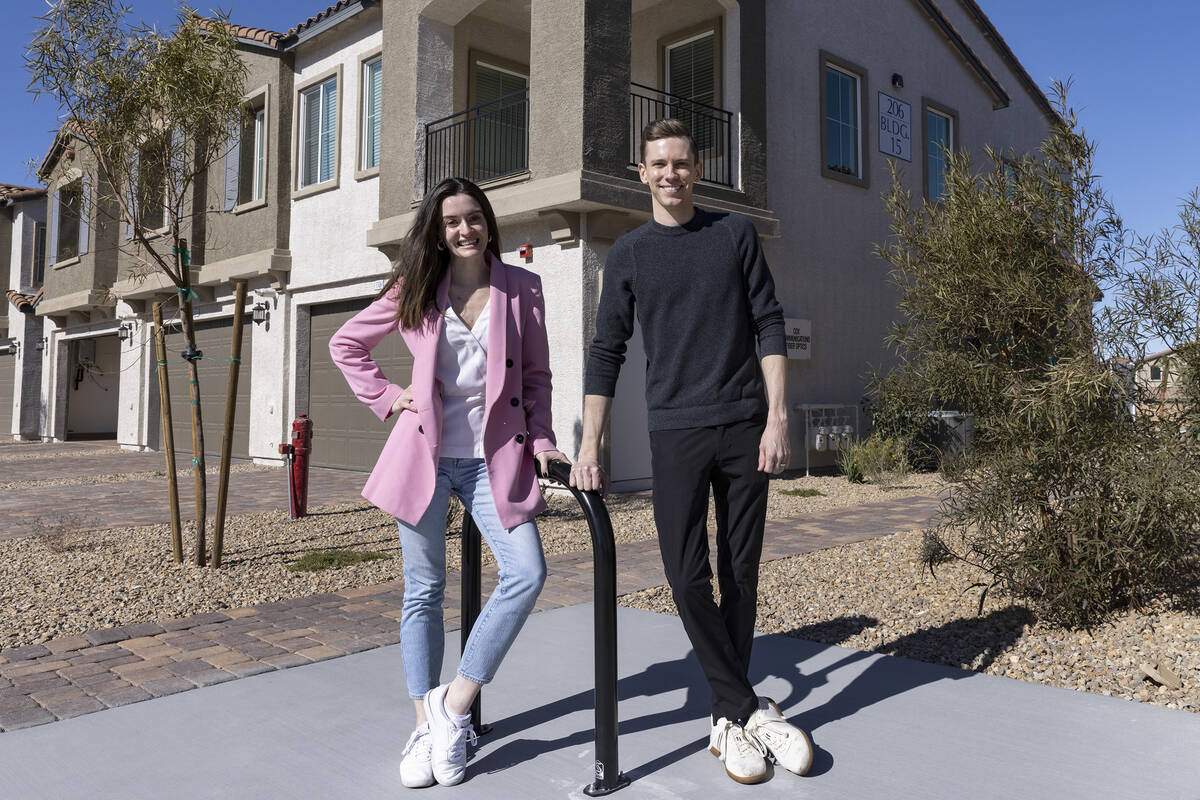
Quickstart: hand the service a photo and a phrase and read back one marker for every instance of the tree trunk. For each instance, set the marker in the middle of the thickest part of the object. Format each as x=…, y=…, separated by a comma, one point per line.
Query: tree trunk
x=193, y=368
x=168, y=435
x=235, y=363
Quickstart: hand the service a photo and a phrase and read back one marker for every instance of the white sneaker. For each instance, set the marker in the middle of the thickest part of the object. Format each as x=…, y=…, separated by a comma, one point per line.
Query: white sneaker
x=416, y=767
x=448, y=740
x=745, y=759
x=789, y=746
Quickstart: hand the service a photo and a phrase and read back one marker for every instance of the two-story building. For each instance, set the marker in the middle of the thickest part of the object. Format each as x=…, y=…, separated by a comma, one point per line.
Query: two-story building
x=23, y=264
x=799, y=110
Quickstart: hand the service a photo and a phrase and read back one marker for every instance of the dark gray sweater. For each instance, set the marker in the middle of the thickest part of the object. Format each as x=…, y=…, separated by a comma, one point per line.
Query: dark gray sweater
x=704, y=297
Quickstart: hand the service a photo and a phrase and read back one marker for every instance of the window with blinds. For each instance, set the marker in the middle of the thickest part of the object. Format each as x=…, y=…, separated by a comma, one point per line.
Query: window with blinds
x=500, y=142
x=39, y=253
x=318, y=133
x=252, y=154
x=372, y=100
x=691, y=74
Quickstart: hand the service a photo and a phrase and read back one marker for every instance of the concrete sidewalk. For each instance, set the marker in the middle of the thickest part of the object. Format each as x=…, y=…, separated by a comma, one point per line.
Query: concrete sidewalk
x=885, y=727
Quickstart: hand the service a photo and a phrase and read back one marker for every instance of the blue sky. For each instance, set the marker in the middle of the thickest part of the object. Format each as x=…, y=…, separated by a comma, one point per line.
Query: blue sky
x=1130, y=62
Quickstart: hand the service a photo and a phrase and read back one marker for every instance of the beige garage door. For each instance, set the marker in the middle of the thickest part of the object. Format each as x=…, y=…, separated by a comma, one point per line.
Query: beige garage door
x=346, y=433
x=213, y=339
x=8, y=380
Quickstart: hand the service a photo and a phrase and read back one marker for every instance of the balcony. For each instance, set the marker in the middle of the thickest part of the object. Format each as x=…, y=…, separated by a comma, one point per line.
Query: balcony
x=711, y=127
x=484, y=143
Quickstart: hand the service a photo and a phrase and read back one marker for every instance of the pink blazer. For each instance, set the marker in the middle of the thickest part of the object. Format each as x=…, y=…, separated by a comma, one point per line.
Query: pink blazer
x=516, y=422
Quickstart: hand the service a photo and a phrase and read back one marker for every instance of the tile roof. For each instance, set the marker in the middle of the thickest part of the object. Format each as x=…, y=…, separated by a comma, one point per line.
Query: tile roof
x=338, y=6
x=11, y=192
x=261, y=35
x=24, y=302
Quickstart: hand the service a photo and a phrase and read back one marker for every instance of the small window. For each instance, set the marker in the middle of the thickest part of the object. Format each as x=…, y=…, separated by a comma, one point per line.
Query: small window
x=843, y=142
x=501, y=143
x=372, y=101
x=252, y=153
x=692, y=75
x=39, y=253
x=152, y=187
x=318, y=133
x=1156, y=373
x=70, y=201
x=940, y=137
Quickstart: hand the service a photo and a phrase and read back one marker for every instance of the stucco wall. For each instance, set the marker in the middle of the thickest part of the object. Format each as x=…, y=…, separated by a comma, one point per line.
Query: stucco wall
x=823, y=263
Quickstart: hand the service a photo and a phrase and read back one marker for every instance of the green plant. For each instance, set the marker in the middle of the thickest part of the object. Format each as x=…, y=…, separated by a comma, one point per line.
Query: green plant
x=802, y=492
x=881, y=460
x=333, y=559
x=848, y=462
x=899, y=410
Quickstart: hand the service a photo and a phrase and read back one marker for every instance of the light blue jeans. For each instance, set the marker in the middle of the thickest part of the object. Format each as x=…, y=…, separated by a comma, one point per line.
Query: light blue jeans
x=522, y=568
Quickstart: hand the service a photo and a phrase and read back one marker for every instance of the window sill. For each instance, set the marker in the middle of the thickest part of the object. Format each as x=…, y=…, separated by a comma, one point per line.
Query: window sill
x=70, y=262
x=316, y=188
x=842, y=177
x=249, y=205
x=366, y=174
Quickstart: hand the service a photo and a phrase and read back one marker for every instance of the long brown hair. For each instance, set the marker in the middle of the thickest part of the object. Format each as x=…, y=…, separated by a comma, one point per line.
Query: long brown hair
x=423, y=263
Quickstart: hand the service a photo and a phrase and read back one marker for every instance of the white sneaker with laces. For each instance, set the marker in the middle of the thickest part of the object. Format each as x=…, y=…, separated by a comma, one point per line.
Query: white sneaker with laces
x=416, y=766
x=788, y=745
x=448, y=740
x=744, y=758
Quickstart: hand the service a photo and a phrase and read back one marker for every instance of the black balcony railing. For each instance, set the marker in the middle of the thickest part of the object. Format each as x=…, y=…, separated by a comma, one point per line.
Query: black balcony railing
x=711, y=127
x=485, y=142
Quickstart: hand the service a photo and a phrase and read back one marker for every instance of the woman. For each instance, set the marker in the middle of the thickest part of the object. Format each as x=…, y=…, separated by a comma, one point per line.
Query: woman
x=474, y=420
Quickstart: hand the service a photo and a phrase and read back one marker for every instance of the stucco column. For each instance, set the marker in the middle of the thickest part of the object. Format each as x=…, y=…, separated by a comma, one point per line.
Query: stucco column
x=753, y=29
x=579, y=86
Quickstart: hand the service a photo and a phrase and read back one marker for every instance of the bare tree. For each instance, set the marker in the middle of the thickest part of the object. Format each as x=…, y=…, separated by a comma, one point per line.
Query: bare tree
x=154, y=109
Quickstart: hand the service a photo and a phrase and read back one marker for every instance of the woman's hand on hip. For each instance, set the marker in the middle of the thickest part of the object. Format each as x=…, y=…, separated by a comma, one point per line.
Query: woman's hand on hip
x=404, y=402
x=546, y=456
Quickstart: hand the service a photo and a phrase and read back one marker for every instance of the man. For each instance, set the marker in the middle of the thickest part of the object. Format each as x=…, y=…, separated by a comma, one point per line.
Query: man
x=704, y=297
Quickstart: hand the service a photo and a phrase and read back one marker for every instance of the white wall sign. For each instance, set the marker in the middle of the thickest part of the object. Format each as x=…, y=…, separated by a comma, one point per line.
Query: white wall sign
x=895, y=127
x=798, y=332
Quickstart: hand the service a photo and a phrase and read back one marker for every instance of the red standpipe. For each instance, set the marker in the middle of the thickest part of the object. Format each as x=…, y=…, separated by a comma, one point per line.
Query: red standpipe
x=297, y=453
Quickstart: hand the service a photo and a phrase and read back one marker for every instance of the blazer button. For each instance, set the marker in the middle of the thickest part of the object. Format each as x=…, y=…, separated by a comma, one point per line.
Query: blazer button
x=508, y=362
x=420, y=429
x=520, y=438
x=515, y=402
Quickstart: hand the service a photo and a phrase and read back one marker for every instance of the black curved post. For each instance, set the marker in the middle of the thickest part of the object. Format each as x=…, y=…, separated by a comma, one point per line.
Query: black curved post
x=607, y=778
x=472, y=602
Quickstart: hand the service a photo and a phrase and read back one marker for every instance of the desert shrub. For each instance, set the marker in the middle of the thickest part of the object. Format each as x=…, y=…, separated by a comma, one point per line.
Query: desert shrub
x=848, y=463
x=881, y=460
x=899, y=411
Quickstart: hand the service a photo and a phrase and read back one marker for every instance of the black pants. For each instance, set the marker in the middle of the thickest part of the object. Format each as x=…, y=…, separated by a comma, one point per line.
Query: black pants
x=686, y=463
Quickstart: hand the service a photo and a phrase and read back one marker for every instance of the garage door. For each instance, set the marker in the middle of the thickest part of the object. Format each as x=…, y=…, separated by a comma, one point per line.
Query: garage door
x=346, y=433
x=213, y=339
x=8, y=380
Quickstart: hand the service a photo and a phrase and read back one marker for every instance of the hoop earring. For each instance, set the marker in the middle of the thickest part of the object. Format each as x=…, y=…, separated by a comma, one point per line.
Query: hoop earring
x=441, y=245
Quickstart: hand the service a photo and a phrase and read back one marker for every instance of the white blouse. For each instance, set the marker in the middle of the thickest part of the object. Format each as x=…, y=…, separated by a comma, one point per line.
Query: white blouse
x=462, y=374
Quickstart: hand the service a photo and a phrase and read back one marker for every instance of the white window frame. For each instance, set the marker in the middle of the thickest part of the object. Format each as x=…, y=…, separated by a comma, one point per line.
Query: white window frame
x=363, y=170
x=302, y=189
x=928, y=107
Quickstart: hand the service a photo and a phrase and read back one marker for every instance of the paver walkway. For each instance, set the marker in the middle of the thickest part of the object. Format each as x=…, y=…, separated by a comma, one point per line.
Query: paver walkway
x=103, y=668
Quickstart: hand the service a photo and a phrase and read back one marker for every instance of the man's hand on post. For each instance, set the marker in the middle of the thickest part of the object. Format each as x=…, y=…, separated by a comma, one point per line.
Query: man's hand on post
x=587, y=475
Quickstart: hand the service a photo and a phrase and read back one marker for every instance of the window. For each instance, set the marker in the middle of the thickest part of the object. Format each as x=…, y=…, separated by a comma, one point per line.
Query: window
x=39, y=253
x=372, y=100
x=70, y=201
x=318, y=133
x=843, y=140
x=691, y=70
x=151, y=187
x=939, y=138
x=1156, y=373
x=252, y=154
x=500, y=144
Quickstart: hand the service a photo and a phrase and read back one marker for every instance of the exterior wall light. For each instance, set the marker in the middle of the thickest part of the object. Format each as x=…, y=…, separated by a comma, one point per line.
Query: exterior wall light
x=897, y=80
x=9, y=348
x=258, y=312
x=125, y=332
x=41, y=344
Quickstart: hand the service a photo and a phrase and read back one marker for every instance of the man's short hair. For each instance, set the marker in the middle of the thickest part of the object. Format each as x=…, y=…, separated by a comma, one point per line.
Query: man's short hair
x=668, y=129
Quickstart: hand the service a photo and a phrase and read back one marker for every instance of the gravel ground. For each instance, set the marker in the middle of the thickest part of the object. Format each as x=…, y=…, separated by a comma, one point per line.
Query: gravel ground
x=869, y=596
x=875, y=596
x=182, y=474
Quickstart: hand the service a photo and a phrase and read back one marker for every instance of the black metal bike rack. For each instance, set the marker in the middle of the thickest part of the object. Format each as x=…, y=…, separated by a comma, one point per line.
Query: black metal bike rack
x=608, y=777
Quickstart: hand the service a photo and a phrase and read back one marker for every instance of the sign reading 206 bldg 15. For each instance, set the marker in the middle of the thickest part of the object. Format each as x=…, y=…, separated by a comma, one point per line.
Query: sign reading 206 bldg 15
x=895, y=127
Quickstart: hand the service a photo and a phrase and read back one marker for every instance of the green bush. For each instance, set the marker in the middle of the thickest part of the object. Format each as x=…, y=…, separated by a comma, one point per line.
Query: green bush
x=881, y=460
x=899, y=411
x=848, y=463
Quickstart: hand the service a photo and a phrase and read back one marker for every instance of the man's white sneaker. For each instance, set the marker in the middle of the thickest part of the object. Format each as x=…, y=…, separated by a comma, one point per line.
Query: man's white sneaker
x=789, y=746
x=416, y=767
x=448, y=739
x=745, y=759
